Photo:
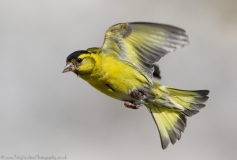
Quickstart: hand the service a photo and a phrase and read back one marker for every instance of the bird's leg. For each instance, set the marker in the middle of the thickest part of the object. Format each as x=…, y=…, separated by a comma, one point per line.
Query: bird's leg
x=136, y=94
x=131, y=105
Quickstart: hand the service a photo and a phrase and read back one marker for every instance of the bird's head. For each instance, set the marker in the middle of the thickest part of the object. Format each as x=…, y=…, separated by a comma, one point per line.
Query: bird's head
x=80, y=62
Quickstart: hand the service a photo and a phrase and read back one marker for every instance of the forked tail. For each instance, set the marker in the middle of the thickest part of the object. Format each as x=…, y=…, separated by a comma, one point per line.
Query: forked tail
x=169, y=112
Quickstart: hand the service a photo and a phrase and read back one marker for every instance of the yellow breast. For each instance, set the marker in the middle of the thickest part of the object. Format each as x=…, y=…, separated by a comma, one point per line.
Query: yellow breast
x=115, y=77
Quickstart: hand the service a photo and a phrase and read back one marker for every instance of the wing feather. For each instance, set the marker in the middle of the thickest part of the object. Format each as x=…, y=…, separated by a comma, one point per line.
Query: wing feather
x=142, y=43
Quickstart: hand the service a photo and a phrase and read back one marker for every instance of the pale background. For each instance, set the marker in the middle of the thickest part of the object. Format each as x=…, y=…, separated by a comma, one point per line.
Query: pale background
x=48, y=113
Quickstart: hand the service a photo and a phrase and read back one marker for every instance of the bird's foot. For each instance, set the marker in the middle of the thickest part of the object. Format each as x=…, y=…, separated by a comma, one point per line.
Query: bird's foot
x=131, y=105
x=136, y=94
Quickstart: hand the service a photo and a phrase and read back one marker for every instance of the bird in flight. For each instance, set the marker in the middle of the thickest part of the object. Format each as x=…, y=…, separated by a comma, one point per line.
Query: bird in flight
x=123, y=68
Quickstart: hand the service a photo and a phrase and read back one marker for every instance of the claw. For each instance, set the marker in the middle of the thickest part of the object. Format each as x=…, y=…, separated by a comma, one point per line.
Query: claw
x=131, y=105
x=136, y=94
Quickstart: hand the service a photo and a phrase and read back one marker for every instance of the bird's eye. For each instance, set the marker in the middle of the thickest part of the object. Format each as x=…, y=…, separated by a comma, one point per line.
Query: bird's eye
x=79, y=60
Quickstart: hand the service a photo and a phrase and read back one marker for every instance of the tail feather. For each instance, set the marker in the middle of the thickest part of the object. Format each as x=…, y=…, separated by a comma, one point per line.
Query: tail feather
x=170, y=124
x=188, y=92
x=195, y=100
x=170, y=113
x=191, y=101
x=161, y=127
x=188, y=108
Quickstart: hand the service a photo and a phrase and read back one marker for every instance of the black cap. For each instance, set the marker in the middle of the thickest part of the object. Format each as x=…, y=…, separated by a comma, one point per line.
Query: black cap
x=75, y=54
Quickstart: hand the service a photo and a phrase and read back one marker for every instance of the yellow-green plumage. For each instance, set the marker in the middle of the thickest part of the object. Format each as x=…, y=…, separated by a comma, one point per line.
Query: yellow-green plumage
x=124, y=65
x=170, y=113
x=113, y=74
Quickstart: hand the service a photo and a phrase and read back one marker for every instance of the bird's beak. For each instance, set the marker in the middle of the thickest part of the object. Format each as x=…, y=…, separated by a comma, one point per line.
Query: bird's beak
x=69, y=67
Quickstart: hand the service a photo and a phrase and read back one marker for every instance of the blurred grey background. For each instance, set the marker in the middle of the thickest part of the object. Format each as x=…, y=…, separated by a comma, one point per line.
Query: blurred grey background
x=45, y=112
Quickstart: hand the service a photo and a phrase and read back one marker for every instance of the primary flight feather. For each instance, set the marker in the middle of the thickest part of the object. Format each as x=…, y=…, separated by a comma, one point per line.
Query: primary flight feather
x=123, y=68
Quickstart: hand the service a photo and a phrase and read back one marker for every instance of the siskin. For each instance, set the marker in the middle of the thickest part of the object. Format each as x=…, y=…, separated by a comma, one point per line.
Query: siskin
x=123, y=69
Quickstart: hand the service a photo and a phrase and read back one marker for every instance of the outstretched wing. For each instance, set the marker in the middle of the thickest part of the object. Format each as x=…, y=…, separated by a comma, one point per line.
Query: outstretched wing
x=143, y=44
